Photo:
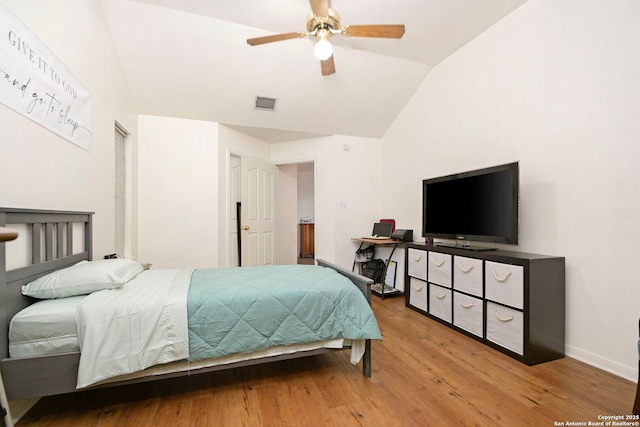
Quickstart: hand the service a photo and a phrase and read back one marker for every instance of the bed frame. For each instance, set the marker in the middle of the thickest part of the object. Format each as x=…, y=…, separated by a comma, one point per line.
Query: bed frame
x=52, y=248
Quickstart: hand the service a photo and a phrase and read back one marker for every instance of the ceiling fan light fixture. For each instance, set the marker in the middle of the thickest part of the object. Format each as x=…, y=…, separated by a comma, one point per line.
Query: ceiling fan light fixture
x=323, y=49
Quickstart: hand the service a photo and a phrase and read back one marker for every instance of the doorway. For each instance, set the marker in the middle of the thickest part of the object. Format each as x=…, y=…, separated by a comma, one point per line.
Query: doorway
x=295, y=206
x=306, y=212
x=296, y=213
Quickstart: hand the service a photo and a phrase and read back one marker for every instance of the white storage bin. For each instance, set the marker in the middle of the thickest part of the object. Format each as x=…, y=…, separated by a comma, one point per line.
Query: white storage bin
x=440, y=302
x=468, y=313
x=440, y=269
x=467, y=275
x=417, y=263
x=504, y=283
x=505, y=327
x=418, y=293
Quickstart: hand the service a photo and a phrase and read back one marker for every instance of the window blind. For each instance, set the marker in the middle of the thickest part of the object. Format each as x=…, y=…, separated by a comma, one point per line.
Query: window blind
x=120, y=188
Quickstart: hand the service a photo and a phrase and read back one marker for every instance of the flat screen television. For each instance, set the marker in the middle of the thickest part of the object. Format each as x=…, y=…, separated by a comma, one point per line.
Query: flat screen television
x=480, y=205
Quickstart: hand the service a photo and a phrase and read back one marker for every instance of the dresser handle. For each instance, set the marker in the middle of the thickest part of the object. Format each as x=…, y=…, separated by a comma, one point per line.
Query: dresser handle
x=467, y=269
x=438, y=295
x=466, y=305
x=416, y=257
x=499, y=279
x=435, y=262
x=418, y=288
x=504, y=319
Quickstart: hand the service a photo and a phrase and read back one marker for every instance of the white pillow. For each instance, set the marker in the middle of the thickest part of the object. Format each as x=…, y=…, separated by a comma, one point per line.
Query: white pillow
x=84, y=278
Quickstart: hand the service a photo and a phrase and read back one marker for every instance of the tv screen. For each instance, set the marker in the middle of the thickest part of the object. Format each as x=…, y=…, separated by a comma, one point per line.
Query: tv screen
x=480, y=205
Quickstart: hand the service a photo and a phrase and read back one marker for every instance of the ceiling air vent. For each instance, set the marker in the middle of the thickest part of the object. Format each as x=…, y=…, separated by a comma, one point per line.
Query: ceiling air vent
x=264, y=103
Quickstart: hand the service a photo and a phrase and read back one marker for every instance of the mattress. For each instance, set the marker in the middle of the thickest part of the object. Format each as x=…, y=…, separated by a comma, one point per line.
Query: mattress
x=45, y=327
x=49, y=327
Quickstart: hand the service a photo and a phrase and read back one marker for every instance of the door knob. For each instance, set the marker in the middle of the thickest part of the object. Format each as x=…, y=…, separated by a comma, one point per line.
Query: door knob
x=245, y=227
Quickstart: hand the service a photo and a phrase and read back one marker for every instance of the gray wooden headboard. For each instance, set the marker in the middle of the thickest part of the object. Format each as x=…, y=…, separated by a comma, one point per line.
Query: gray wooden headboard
x=49, y=238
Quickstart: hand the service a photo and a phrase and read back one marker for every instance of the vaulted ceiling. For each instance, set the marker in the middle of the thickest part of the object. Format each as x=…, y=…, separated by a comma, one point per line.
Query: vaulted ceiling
x=190, y=59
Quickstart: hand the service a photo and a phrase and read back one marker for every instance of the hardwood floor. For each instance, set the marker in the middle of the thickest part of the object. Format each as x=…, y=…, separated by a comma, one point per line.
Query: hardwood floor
x=424, y=374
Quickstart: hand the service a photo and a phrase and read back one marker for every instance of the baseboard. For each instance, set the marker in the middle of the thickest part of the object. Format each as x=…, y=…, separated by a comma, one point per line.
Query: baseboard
x=615, y=368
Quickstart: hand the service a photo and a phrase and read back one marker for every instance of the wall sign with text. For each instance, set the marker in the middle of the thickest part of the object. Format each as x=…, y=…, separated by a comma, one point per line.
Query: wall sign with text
x=34, y=83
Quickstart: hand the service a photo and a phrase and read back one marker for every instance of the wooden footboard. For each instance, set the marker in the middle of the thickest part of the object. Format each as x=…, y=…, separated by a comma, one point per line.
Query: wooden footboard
x=51, y=234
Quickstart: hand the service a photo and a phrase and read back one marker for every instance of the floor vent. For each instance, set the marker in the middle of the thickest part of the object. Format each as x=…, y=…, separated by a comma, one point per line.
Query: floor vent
x=264, y=103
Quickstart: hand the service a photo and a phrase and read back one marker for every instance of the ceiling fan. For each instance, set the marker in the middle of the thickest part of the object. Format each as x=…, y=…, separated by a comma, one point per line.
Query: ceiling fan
x=324, y=22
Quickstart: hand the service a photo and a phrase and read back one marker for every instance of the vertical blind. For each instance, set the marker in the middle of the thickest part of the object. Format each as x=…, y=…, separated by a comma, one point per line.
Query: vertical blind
x=120, y=188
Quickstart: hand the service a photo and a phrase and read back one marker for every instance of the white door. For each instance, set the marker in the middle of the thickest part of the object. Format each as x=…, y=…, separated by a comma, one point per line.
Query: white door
x=258, y=201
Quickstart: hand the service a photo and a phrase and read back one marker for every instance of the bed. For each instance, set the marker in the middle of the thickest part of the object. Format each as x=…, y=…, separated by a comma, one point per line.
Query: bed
x=59, y=242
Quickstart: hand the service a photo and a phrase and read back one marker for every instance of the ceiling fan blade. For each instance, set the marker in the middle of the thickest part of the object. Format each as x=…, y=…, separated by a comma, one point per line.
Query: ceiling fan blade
x=328, y=66
x=320, y=7
x=275, y=38
x=381, y=31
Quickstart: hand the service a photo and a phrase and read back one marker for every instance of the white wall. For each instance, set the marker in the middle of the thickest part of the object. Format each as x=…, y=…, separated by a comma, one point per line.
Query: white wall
x=347, y=201
x=184, y=200
x=41, y=170
x=555, y=86
x=178, y=193
x=184, y=190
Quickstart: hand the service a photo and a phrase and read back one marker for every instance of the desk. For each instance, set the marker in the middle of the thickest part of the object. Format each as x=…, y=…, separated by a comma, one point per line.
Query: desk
x=383, y=290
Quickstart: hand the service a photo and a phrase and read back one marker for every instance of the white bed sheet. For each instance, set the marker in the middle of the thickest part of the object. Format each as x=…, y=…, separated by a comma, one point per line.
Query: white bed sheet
x=141, y=324
x=45, y=327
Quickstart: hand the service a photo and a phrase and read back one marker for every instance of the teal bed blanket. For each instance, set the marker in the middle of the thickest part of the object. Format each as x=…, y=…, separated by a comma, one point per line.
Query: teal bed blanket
x=245, y=309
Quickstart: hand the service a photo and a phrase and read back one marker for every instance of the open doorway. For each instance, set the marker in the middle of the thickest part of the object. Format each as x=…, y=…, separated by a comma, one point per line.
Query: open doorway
x=296, y=213
x=306, y=213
